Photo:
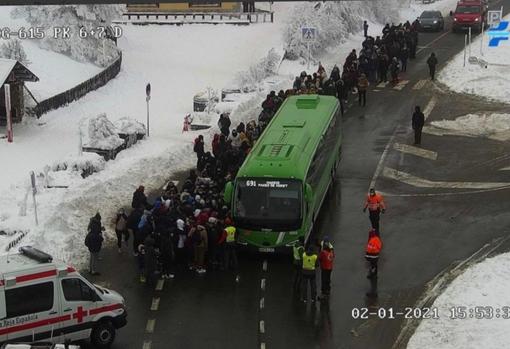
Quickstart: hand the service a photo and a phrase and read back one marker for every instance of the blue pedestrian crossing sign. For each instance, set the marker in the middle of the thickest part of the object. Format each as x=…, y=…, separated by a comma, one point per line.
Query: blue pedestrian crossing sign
x=308, y=34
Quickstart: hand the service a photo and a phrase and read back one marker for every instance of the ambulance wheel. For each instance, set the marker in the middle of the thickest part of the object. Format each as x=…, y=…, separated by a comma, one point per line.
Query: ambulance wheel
x=103, y=335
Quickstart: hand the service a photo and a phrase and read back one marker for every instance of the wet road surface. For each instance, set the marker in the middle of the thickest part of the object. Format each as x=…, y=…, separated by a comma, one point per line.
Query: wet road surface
x=422, y=235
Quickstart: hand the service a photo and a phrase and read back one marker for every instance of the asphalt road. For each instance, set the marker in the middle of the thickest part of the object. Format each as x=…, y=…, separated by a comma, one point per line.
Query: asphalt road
x=425, y=231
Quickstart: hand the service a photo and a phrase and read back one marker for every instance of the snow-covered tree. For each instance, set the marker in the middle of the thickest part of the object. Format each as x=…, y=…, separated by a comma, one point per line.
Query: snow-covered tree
x=258, y=72
x=92, y=48
x=334, y=21
x=13, y=49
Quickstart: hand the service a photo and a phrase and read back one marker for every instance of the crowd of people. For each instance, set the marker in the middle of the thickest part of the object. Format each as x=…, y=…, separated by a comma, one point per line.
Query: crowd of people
x=192, y=228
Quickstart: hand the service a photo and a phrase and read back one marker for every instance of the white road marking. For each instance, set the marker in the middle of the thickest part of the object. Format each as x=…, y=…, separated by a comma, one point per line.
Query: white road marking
x=147, y=345
x=262, y=328
x=264, y=265
x=382, y=84
x=151, y=323
x=381, y=160
x=400, y=85
x=262, y=345
x=376, y=90
x=505, y=168
x=419, y=85
x=262, y=303
x=425, y=183
x=409, y=149
x=263, y=284
x=160, y=284
x=155, y=304
x=433, y=41
x=428, y=108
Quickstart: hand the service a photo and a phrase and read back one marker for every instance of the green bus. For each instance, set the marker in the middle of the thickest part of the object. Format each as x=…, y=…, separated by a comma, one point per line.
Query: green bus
x=278, y=191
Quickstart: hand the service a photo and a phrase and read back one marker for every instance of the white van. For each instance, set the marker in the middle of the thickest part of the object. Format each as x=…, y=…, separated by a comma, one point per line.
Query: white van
x=44, y=300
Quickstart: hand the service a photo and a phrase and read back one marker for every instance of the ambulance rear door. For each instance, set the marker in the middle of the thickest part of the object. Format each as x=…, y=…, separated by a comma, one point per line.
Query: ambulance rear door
x=32, y=310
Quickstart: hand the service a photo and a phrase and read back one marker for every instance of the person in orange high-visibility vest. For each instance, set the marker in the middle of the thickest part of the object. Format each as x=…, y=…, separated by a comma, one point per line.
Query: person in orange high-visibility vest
x=375, y=205
x=372, y=251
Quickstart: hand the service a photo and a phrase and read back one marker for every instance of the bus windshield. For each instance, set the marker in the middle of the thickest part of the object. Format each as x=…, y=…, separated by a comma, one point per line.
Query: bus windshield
x=268, y=204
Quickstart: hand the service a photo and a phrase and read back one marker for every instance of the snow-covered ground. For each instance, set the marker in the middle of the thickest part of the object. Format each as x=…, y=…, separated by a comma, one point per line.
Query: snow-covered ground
x=56, y=72
x=483, y=285
x=178, y=61
x=494, y=126
x=492, y=82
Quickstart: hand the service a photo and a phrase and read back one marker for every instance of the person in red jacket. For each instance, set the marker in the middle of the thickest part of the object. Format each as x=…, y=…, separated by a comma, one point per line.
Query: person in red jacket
x=375, y=204
x=373, y=249
x=326, y=258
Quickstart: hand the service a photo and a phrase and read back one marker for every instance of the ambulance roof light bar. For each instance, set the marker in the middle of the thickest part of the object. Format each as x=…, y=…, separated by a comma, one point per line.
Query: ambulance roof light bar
x=35, y=254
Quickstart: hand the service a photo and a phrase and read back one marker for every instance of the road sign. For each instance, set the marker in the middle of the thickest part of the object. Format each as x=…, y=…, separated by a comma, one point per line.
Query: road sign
x=308, y=34
x=148, y=91
x=494, y=17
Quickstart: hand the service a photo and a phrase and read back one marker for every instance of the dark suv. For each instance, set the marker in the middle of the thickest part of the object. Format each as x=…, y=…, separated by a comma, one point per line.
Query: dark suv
x=431, y=20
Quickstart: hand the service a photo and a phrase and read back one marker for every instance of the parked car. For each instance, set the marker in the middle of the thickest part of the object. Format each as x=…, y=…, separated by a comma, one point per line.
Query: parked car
x=428, y=1
x=431, y=20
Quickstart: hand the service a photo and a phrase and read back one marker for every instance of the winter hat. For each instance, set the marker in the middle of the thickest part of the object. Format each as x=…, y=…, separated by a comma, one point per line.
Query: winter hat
x=141, y=188
x=167, y=203
x=202, y=202
x=97, y=216
x=212, y=220
x=196, y=212
x=180, y=224
x=197, y=198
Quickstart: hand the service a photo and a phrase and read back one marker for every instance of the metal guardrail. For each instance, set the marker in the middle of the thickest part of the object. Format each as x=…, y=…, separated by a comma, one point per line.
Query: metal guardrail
x=197, y=17
x=80, y=90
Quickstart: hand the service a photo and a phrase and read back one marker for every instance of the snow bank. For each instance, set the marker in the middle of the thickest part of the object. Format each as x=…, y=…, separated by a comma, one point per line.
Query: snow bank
x=492, y=82
x=128, y=125
x=102, y=134
x=484, y=284
x=86, y=164
x=494, y=126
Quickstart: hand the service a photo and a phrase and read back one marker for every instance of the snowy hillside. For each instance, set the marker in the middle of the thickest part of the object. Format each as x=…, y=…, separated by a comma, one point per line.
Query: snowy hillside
x=57, y=72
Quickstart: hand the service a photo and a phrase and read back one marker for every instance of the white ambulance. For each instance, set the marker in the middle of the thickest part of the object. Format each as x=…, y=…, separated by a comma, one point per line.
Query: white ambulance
x=45, y=300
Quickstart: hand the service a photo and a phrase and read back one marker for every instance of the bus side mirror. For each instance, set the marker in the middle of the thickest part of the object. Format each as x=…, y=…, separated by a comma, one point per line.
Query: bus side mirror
x=229, y=190
x=308, y=192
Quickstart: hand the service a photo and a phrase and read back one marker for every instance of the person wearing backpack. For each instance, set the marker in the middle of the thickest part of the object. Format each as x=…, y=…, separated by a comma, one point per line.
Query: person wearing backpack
x=94, y=242
x=121, y=228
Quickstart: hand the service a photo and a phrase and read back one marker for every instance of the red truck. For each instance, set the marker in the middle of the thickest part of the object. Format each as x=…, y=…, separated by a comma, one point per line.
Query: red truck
x=470, y=14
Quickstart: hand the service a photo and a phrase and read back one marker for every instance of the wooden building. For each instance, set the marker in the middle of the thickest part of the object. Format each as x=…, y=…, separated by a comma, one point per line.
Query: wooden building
x=15, y=74
x=190, y=6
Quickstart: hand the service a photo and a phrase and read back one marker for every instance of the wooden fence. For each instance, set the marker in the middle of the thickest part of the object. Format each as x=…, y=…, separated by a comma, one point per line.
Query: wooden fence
x=80, y=90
